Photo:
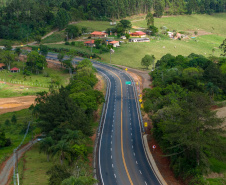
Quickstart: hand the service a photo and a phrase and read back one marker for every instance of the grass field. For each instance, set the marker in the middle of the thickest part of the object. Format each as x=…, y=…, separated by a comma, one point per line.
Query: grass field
x=21, y=85
x=15, y=131
x=215, y=24
x=94, y=25
x=33, y=167
x=55, y=37
x=131, y=54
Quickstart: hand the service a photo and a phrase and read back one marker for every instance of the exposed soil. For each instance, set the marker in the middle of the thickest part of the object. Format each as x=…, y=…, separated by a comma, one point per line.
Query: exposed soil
x=15, y=103
x=221, y=113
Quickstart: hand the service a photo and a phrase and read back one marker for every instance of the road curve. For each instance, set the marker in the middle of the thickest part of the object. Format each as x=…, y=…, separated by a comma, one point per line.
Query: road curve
x=121, y=157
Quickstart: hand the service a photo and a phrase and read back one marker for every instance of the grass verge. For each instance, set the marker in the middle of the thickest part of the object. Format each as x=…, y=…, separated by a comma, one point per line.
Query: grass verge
x=33, y=167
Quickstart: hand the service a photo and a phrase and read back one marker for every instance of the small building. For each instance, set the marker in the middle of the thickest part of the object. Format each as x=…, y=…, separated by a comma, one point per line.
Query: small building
x=114, y=44
x=99, y=34
x=108, y=41
x=90, y=43
x=15, y=70
x=139, y=40
x=2, y=66
x=123, y=37
x=138, y=34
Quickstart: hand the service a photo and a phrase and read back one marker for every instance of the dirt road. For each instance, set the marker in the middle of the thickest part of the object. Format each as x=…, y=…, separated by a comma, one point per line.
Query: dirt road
x=7, y=170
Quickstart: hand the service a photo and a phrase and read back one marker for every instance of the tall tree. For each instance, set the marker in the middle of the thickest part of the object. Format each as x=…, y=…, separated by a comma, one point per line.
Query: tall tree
x=7, y=57
x=147, y=60
x=62, y=149
x=62, y=19
x=150, y=19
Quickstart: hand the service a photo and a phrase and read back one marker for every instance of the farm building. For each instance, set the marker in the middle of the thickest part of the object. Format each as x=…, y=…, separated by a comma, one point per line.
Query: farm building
x=90, y=43
x=15, y=70
x=138, y=34
x=114, y=43
x=98, y=34
x=2, y=66
x=139, y=40
x=123, y=37
x=108, y=41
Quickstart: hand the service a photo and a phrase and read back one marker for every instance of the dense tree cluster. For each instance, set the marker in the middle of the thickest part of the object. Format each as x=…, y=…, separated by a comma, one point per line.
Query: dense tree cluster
x=24, y=20
x=66, y=118
x=186, y=128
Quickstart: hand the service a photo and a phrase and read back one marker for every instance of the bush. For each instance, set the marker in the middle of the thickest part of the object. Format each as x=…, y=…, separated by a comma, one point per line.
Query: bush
x=8, y=142
x=67, y=43
x=73, y=43
x=26, y=72
x=7, y=122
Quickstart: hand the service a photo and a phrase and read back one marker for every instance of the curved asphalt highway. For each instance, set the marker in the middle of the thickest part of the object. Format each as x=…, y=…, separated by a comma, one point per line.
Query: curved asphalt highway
x=122, y=159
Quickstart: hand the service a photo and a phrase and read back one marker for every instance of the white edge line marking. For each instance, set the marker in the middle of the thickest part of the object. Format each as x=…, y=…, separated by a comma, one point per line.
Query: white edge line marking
x=104, y=122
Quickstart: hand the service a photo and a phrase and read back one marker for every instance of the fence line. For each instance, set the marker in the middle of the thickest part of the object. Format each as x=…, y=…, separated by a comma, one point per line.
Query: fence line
x=34, y=84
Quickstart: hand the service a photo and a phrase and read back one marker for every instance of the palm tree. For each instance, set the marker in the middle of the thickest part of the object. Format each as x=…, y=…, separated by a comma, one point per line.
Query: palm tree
x=62, y=148
x=46, y=146
x=74, y=136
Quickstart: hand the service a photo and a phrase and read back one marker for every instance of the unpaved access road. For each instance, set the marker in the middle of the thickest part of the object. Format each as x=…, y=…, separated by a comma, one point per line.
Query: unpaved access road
x=7, y=170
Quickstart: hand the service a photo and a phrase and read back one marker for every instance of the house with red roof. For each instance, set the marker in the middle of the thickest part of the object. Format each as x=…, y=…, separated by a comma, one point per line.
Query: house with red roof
x=138, y=34
x=114, y=43
x=15, y=70
x=90, y=43
x=99, y=34
x=2, y=66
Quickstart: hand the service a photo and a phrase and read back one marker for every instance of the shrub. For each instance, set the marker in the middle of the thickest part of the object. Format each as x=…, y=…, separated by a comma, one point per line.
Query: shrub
x=7, y=122
x=73, y=43
x=67, y=43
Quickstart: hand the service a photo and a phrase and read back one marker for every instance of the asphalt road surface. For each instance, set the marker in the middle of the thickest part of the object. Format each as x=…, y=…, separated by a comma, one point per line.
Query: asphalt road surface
x=122, y=159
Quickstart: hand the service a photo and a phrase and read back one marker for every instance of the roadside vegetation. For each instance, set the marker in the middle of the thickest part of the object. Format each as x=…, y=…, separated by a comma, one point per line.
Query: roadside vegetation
x=187, y=130
x=66, y=119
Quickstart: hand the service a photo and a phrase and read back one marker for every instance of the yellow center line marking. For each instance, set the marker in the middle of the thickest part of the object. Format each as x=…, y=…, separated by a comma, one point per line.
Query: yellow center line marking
x=123, y=158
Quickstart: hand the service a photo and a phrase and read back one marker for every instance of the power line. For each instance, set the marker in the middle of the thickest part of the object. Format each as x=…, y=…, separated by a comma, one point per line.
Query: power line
x=15, y=156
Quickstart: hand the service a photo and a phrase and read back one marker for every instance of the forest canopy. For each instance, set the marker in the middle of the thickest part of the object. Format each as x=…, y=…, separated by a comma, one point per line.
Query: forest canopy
x=25, y=19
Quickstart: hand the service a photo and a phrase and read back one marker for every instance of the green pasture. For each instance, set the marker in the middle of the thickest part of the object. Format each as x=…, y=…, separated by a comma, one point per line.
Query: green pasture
x=215, y=24
x=94, y=25
x=55, y=37
x=15, y=131
x=18, y=84
x=130, y=54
